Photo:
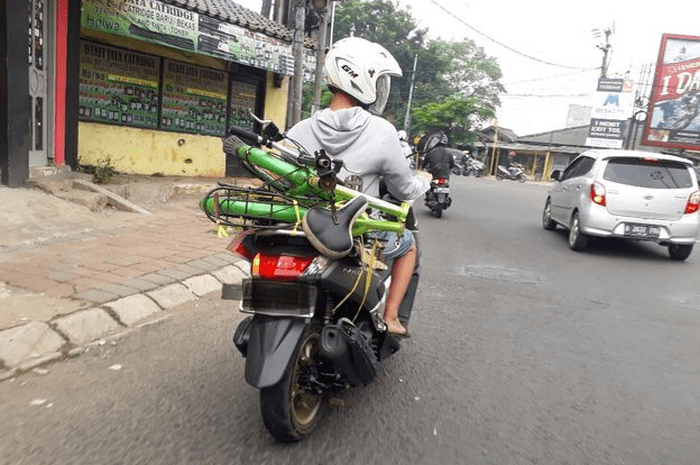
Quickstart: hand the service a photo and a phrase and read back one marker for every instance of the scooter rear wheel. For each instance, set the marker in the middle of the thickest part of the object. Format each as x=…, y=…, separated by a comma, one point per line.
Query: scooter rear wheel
x=289, y=412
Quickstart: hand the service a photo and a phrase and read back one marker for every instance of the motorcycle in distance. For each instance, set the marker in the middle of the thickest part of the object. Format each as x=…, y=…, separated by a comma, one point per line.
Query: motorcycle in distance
x=514, y=172
x=438, y=197
x=317, y=287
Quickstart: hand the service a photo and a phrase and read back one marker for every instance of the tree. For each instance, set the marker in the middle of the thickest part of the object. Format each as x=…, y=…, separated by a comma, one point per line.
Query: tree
x=472, y=96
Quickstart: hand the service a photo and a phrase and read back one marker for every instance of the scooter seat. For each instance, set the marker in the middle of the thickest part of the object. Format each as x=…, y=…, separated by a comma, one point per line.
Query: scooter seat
x=333, y=240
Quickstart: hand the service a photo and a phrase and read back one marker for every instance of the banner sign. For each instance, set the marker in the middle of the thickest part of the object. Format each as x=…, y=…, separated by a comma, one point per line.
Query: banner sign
x=161, y=23
x=118, y=86
x=673, y=118
x=194, y=99
x=612, y=107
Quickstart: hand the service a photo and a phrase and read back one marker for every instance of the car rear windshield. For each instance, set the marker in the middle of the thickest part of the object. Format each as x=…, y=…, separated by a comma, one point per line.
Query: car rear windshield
x=652, y=173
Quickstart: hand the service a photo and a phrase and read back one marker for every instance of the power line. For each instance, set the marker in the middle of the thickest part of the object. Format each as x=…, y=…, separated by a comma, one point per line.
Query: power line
x=504, y=45
x=506, y=95
x=547, y=78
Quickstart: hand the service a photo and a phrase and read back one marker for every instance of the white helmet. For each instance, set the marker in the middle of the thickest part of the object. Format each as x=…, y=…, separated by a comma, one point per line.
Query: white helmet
x=361, y=69
x=402, y=134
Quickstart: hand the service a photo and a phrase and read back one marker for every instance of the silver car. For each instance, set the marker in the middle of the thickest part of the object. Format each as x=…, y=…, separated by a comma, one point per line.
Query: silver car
x=628, y=194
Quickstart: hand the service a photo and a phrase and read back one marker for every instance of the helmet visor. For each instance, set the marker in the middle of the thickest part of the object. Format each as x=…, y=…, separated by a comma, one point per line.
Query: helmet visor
x=383, y=88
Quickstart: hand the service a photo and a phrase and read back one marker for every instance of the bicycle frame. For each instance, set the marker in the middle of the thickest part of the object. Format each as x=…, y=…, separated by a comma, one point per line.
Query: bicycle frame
x=305, y=185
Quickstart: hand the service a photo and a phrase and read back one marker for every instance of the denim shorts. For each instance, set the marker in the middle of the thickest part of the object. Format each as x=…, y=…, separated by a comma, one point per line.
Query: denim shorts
x=394, y=245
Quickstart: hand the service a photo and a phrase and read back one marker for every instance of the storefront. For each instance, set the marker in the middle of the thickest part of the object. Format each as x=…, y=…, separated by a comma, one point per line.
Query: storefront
x=146, y=86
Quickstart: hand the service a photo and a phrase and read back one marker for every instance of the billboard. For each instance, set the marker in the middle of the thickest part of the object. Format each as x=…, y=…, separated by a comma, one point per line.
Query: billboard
x=612, y=106
x=673, y=119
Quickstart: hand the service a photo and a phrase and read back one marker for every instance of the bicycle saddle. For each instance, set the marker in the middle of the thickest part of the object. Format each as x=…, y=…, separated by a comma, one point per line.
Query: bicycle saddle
x=333, y=240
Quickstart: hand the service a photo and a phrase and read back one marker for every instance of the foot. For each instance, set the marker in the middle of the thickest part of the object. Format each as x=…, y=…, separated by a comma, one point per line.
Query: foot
x=395, y=328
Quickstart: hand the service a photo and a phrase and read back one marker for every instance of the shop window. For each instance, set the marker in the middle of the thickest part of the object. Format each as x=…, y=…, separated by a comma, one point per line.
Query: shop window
x=243, y=101
x=194, y=99
x=118, y=86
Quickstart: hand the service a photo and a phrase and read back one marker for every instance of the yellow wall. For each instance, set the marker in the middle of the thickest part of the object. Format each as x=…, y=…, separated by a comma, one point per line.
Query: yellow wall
x=276, y=101
x=145, y=151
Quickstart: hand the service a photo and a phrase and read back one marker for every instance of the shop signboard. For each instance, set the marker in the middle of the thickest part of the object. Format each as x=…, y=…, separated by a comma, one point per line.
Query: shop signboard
x=194, y=99
x=673, y=118
x=118, y=86
x=165, y=24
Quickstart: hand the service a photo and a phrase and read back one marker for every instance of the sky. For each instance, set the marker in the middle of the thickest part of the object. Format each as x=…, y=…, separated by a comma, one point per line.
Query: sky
x=548, y=51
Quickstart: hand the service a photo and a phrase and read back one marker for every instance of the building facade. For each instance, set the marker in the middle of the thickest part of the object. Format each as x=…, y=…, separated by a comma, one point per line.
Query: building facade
x=146, y=86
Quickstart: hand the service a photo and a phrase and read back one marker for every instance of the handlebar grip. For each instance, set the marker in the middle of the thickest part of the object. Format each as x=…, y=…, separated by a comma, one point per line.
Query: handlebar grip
x=246, y=136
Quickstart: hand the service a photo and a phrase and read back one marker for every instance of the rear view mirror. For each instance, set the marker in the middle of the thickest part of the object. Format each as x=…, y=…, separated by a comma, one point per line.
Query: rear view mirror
x=555, y=175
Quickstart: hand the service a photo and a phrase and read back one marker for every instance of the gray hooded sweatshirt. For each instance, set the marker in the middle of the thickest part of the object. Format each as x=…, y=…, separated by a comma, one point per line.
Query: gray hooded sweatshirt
x=368, y=145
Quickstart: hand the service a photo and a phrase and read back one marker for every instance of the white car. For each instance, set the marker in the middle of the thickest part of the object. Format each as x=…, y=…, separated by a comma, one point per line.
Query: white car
x=628, y=194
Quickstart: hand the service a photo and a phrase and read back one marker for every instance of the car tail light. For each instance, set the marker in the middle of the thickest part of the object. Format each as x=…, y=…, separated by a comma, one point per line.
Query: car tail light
x=598, y=193
x=279, y=267
x=693, y=202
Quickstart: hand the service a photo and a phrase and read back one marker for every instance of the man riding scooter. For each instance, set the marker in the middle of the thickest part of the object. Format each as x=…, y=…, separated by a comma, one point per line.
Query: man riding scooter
x=438, y=161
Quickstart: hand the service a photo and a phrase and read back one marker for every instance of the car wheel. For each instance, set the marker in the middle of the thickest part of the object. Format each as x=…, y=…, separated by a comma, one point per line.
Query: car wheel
x=547, y=222
x=679, y=252
x=577, y=239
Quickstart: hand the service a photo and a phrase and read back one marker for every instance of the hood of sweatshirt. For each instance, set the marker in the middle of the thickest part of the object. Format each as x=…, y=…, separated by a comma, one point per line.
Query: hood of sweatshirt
x=327, y=124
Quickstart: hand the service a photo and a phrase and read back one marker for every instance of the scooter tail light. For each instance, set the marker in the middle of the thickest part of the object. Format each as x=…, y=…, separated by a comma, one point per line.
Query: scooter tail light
x=598, y=194
x=241, y=245
x=441, y=181
x=279, y=267
x=693, y=204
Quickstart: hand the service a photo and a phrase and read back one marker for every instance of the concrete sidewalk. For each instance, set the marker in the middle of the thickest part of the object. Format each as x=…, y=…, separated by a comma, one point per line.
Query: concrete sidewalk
x=74, y=269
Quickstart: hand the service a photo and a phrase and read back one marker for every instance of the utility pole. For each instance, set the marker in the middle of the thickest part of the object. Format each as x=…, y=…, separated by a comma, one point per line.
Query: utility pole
x=494, y=149
x=297, y=82
x=407, y=120
x=606, y=49
x=321, y=42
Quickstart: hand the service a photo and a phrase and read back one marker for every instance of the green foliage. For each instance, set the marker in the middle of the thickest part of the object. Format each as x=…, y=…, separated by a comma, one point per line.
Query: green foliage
x=458, y=116
x=456, y=87
x=103, y=171
x=308, y=99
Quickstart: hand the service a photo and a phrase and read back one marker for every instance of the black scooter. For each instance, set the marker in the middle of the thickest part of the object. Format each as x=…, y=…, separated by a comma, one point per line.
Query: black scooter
x=438, y=197
x=316, y=324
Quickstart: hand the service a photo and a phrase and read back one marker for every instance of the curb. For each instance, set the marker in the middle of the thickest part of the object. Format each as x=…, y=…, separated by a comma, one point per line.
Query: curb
x=31, y=345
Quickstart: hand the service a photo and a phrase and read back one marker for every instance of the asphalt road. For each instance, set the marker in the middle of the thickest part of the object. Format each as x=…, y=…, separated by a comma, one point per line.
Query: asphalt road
x=522, y=352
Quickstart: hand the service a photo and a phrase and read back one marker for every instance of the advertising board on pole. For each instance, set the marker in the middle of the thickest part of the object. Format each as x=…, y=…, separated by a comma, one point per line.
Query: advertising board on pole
x=611, y=108
x=673, y=118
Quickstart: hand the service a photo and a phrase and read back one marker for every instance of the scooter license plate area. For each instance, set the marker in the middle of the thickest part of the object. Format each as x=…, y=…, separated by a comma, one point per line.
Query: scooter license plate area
x=442, y=190
x=276, y=298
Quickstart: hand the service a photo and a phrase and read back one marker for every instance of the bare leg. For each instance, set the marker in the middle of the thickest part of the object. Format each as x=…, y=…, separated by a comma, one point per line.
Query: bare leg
x=401, y=273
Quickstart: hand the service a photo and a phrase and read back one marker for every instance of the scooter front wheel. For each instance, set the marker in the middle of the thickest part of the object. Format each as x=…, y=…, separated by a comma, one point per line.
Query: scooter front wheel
x=289, y=411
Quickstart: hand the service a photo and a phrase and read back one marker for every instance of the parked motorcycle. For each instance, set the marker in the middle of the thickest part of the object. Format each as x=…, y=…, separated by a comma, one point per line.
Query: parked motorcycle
x=438, y=197
x=460, y=167
x=514, y=173
x=474, y=168
x=318, y=282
